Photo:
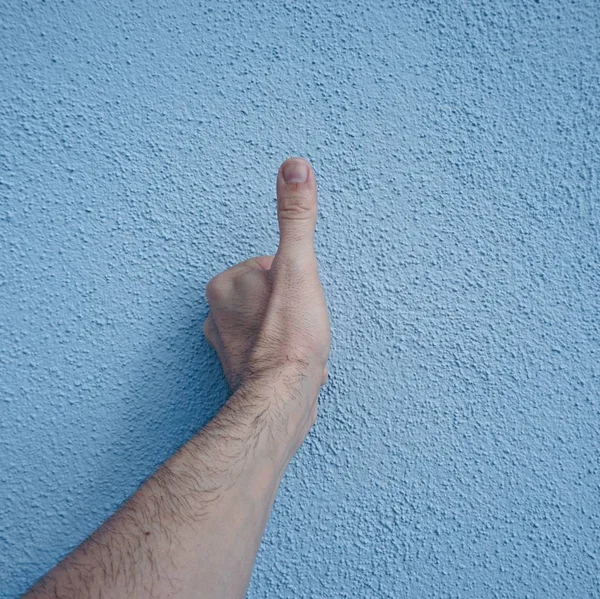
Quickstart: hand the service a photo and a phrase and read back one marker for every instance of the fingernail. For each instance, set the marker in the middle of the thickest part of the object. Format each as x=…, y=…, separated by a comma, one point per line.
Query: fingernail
x=295, y=171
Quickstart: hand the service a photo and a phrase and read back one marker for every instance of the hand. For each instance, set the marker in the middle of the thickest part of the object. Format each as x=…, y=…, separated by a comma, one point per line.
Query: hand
x=268, y=318
x=268, y=322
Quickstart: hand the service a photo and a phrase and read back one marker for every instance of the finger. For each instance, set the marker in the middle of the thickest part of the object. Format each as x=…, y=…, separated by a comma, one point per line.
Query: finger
x=325, y=376
x=218, y=289
x=210, y=331
x=296, y=211
x=257, y=263
x=264, y=262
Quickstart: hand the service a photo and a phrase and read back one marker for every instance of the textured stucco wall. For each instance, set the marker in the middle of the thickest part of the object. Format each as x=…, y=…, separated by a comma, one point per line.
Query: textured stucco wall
x=458, y=155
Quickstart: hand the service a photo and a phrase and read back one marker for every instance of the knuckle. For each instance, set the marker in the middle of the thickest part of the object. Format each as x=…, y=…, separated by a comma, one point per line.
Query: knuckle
x=297, y=207
x=217, y=289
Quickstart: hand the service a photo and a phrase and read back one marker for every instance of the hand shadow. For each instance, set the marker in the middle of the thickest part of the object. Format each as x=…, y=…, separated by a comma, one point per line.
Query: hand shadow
x=160, y=399
x=175, y=388
x=178, y=387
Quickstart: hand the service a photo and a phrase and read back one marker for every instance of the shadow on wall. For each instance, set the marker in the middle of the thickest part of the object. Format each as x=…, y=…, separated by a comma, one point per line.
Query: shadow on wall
x=172, y=387
x=176, y=387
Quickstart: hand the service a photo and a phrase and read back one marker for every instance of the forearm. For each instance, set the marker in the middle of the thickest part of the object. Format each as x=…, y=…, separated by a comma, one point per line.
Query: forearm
x=193, y=528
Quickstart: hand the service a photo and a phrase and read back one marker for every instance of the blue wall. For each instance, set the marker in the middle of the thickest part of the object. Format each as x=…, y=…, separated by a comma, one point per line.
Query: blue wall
x=457, y=150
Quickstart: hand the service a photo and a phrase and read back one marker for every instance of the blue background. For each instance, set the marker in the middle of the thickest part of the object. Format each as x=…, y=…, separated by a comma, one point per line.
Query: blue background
x=457, y=149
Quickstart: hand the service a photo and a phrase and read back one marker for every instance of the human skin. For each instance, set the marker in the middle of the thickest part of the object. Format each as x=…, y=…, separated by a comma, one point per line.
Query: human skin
x=194, y=527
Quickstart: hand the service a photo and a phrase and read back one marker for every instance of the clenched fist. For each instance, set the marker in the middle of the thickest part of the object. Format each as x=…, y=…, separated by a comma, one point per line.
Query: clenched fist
x=268, y=318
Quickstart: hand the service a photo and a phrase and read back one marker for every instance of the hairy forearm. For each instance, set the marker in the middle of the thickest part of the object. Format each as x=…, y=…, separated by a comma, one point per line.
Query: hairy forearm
x=193, y=528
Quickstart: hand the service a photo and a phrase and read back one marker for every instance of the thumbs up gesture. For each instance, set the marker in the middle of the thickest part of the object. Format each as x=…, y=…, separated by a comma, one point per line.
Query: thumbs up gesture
x=268, y=319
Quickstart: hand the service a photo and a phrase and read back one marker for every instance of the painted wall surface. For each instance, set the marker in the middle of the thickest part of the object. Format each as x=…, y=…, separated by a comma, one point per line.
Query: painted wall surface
x=457, y=148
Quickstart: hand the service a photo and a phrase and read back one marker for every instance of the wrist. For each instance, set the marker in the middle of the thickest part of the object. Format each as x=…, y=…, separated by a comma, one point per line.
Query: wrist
x=281, y=406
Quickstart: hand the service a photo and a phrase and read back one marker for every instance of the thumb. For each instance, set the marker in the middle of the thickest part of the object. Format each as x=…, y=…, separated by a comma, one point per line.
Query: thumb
x=296, y=211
